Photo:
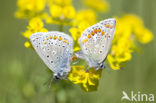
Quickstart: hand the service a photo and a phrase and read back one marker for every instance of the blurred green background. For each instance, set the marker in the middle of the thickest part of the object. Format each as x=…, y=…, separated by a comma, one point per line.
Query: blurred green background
x=22, y=73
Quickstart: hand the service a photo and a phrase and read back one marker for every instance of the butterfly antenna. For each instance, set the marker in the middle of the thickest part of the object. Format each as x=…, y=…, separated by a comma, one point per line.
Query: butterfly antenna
x=51, y=82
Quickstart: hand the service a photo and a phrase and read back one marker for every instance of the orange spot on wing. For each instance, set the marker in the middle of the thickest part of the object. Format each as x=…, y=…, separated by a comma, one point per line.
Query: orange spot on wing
x=107, y=26
x=111, y=26
x=65, y=41
x=50, y=37
x=89, y=36
x=99, y=30
x=74, y=58
x=55, y=37
x=102, y=33
x=60, y=38
x=92, y=33
x=95, y=31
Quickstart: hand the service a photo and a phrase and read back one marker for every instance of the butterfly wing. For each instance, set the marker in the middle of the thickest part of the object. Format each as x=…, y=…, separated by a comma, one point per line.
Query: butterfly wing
x=96, y=40
x=54, y=48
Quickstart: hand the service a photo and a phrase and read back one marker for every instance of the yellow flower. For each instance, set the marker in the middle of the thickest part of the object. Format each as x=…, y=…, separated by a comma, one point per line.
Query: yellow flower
x=69, y=12
x=140, y=31
x=88, y=79
x=60, y=2
x=64, y=2
x=62, y=12
x=30, y=8
x=99, y=5
x=56, y=10
x=31, y=5
x=85, y=15
x=28, y=44
x=129, y=29
x=35, y=25
x=144, y=35
x=76, y=48
x=82, y=20
x=62, y=9
x=75, y=33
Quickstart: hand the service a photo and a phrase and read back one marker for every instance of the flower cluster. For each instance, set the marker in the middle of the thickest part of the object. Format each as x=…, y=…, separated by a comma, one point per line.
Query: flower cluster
x=61, y=12
x=88, y=79
x=35, y=25
x=83, y=19
x=129, y=31
x=30, y=8
x=99, y=5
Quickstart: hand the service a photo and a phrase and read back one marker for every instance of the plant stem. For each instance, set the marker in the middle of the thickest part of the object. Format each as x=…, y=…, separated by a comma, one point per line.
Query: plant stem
x=61, y=26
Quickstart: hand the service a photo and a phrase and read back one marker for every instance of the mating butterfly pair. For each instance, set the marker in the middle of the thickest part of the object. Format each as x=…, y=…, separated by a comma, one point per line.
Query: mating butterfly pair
x=55, y=48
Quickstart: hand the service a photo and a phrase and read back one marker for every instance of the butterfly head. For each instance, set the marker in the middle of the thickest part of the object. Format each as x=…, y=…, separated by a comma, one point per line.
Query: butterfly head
x=60, y=75
x=102, y=65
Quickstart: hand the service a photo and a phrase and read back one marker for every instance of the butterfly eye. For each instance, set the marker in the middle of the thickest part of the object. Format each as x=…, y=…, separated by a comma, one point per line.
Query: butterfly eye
x=56, y=78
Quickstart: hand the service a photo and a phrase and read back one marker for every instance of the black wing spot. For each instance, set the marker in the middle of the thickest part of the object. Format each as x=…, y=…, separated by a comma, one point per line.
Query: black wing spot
x=100, y=51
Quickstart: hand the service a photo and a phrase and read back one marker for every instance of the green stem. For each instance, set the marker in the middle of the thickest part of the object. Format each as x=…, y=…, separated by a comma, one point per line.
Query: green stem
x=61, y=26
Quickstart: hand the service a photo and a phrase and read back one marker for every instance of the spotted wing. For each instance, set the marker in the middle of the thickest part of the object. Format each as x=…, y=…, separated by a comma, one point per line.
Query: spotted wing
x=54, y=48
x=96, y=40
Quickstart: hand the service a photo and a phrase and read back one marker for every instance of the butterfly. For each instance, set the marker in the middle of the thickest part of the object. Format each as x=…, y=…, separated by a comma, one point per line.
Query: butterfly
x=55, y=49
x=95, y=42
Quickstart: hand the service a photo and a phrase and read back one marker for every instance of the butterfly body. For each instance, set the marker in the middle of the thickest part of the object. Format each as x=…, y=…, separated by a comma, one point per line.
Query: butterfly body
x=55, y=49
x=95, y=42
